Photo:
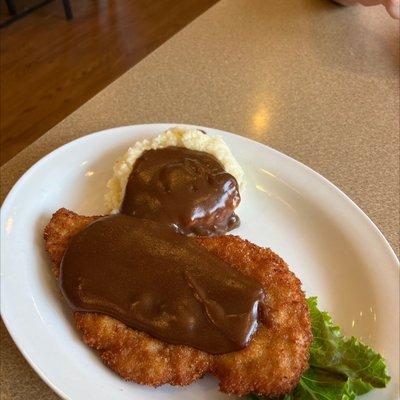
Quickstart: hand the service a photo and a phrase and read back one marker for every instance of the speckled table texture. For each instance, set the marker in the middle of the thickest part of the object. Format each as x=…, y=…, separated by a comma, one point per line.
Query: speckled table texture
x=317, y=81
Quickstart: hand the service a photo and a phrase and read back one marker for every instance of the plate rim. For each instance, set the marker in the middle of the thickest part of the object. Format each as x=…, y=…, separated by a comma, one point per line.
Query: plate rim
x=7, y=203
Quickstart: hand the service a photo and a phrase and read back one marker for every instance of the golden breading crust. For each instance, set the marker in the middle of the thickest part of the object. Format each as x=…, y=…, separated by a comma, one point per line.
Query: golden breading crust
x=271, y=365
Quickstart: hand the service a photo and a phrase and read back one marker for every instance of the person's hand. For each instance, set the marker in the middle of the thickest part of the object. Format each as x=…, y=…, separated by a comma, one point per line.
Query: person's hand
x=392, y=6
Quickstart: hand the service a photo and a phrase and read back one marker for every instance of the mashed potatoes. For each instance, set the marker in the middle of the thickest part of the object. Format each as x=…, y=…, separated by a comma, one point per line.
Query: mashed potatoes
x=190, y=138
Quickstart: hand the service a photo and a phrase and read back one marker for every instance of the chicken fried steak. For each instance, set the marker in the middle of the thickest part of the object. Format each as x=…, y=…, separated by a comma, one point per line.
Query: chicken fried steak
x=270, y=365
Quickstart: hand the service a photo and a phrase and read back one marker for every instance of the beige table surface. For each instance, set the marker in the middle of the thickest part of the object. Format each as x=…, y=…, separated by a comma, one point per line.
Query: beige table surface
x=314, y=80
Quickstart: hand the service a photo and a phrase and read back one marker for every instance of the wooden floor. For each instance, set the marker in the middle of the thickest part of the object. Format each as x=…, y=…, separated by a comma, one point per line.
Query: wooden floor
x=50, y=66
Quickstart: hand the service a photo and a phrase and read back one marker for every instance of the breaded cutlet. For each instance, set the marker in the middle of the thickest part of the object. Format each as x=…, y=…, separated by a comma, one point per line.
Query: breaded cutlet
x=271, y=365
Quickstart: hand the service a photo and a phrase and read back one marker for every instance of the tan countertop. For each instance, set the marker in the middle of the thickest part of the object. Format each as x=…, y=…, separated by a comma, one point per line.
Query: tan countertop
x=314, y=80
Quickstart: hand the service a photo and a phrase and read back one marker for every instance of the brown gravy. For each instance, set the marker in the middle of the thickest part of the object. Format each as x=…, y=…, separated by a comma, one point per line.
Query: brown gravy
x=160, y=282
x=186, y=189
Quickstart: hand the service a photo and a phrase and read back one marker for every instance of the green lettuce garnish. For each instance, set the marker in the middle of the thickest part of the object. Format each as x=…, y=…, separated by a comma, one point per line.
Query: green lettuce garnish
x=340, y=368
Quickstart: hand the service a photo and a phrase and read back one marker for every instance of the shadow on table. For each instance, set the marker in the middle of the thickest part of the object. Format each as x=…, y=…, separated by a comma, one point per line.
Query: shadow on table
x=362, y=43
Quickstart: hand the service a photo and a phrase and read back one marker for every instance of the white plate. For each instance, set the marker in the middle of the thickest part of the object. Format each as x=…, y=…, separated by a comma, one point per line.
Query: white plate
x=330, y=244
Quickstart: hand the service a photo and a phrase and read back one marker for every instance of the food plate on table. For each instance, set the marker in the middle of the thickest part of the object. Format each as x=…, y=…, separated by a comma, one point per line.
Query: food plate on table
x=328, y=242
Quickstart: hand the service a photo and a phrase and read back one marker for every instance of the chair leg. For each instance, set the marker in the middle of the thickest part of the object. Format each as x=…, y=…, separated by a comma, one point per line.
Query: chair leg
x=12, y=10
x=68, y=9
